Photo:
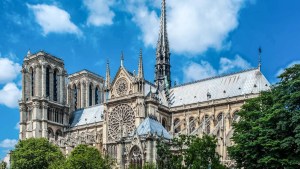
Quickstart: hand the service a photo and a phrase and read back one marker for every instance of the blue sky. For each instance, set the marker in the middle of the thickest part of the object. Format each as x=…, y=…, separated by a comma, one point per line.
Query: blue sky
x=206, y=37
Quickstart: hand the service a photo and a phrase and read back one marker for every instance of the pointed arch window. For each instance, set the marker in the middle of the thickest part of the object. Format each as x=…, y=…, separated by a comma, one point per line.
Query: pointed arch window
x=136, y=160
x=90, y=94
x=164, y=122
x=192, y=124
x=96, y=96
x=177, y=127
x=32, y=82
x=47, y=81
x=55, y=85
x=75, y=97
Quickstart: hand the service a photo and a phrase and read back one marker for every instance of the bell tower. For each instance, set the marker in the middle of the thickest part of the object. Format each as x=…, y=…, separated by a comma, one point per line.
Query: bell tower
x=43, y=108
x=162, y=66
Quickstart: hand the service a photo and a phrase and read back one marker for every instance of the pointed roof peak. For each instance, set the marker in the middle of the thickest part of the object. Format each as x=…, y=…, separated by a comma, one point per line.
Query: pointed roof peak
x=28, y=53
x=141, y=67
x=107, y=78
x=122, y=59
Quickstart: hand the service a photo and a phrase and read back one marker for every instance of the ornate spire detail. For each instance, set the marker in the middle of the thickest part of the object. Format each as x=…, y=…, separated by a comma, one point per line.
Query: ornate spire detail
x=163, y=67
x=107, y=78
x=259, y=58
x=141, y=68
x=122, y=59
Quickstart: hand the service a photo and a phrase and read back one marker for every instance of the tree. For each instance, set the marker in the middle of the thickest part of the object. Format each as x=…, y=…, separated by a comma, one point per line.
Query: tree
x=188, y=152
x=202, y=153
x=85, y=157
x=268, y=133
x=35, y=153
x=3, y=165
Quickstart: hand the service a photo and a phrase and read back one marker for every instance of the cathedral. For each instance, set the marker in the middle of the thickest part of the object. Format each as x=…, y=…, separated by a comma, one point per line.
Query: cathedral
x=124, y=116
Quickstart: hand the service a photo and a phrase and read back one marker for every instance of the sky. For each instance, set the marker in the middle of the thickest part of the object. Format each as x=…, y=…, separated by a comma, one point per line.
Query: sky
x=207, y=38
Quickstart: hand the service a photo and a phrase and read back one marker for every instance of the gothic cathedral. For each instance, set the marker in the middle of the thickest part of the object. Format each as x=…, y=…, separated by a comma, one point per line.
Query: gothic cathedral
x=125, y=115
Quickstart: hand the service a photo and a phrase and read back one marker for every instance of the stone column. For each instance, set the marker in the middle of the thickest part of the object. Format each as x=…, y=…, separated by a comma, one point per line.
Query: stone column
x=93, y=95
x=82, y=98
x=23, y=84
x=154, y=151
x=61, y=88
x=22, y=133
x=148, y=154
x=44, y=120
x=36, y=120
x=43, y=88
x=87, y=87
x=37, y=81
x=120, y=155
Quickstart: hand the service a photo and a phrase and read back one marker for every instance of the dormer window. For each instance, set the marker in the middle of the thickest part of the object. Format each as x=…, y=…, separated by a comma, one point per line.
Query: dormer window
x=208, y=95
x=255, y=85
x=224, y=91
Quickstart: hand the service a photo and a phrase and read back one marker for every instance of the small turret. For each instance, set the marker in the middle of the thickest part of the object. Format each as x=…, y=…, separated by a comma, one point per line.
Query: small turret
x=107, y=78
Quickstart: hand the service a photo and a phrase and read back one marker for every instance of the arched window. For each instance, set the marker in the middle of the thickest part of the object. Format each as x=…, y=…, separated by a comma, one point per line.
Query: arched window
x=55, y=85
x=48, y=81
x=206, y=124
x=136, y=160
x=58, y=133
x=192, y=124
x=90, y=94
x=235, y=117
x=177, y=127
x=50, y=133
x=75, y=97
x=164, y=122
x=32, y=82
x=96, y=96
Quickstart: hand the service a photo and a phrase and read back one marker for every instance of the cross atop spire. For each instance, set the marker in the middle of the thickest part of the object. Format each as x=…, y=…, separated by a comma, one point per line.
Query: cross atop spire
x=141, y=68
x=163, y=67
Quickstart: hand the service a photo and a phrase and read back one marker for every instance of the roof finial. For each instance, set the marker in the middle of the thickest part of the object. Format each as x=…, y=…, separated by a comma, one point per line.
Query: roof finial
x=107, y=79
x=122, y=59
x=141, y=68
x=259, y=58
x=28, y=53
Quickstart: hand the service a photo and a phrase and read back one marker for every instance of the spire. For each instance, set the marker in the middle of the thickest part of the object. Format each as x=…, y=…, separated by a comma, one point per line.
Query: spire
x=259, y=58
x=141, y=68
x=28, y=53
x=162, y=66
x=122, y=59
x=107, y=78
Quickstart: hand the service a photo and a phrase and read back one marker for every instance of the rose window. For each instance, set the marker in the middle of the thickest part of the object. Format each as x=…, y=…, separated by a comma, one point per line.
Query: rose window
x=120, y=122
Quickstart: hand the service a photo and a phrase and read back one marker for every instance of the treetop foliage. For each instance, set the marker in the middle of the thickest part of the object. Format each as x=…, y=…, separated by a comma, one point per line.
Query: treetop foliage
x=268, y=133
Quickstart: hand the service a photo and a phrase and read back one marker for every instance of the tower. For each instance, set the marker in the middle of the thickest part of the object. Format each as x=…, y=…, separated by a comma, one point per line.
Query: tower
x=43, y=109
x=162, y=66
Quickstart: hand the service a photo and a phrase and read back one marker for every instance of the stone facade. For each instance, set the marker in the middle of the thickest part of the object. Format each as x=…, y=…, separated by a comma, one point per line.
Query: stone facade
x=124, y=117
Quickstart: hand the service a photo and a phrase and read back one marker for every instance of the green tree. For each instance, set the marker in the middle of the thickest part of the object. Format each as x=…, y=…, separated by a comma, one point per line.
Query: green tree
x=35, y=153
x=3, y=165
x=268, y=133
x=85, y=157
x=202, y=154
x=188, y=152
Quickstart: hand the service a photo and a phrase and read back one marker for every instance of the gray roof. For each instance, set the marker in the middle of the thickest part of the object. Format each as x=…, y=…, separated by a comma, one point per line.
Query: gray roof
x=246, y=82
x=151, y=126
x=87, y=116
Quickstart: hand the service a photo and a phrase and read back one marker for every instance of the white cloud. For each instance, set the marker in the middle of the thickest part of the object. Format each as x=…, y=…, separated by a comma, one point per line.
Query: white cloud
x=9, y=95
x=99, y=12
x=229, y=65
x=8, y=70
x=8, y=143
x=195, y=71
x=53, y=19
x=193, y=26
x=147, y=20
x=281, y=70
